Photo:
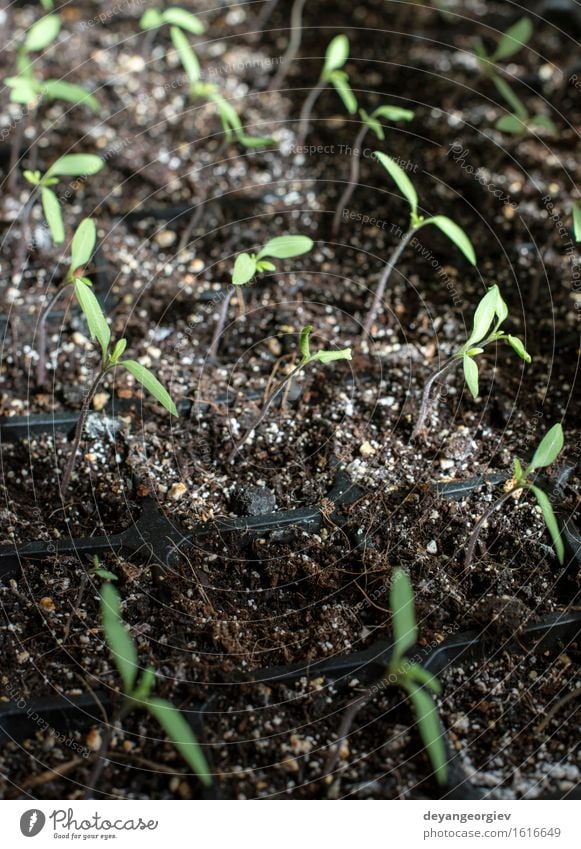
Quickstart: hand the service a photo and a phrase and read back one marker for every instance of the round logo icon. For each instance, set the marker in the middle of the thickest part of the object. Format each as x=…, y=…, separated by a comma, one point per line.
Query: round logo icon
x=32, y=822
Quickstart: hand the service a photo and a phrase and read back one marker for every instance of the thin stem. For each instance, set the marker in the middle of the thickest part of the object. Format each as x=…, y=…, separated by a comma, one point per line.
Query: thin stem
x=15, y=154
x=425, y=405
x=353, y=179
x=294, y=44
x=384, y=279
x=79, y=429
x=307, y=109
x=24, y=244
x=41, y=343
x=266, y=407
x=219, y=329
x=263, y=18
x=478, y=526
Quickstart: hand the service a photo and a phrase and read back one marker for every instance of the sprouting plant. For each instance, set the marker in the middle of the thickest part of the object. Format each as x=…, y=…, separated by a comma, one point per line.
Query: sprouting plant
x=419, y=685
x=180, y=22
x=577, y=221
x=110, y=359
x=248, y=265
x=455, y=233
x=306, y=358
x=72, y=165
x=519, y=121
x=547, y=452
x=489, y=315
x=369, y=122
x=137, y=689
x=27, y=89
x=293, y=46
x=333, y=74
x=82, y=247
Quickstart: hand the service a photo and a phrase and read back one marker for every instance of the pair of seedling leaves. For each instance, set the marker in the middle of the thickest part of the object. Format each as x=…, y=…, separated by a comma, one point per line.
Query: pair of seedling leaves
x=180, y=22
x=26, y=88
x=73, y=165
x=516, y=37
x=137, y=689
x=82, y=246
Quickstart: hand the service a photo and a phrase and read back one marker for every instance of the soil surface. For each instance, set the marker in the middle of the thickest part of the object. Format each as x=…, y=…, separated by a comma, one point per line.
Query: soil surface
x=231, y=604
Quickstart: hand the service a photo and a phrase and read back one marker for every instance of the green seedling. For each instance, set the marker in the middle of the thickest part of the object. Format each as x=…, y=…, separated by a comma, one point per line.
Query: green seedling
x=418, y=684
x=137, y=687
x=82, y=247
x=332, y=74
x=577, y=221
x=79, y=165
x=181, y=24
x=416, y=221
x=490, y=314
x=371, y=122
x=547, y=452
x=519, y=121
x=306, y=359
x=293, y=46
x=248, y=265
x=110, y=359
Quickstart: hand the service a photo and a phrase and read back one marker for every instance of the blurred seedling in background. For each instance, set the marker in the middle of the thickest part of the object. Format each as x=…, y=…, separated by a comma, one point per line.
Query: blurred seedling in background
x=370, y=122
x=454, y=233
x=306, y=359
x=332, y=74
x=110, y=359
x=248, y=265
x=490, y=314
x=577, y=221
x=524, y=480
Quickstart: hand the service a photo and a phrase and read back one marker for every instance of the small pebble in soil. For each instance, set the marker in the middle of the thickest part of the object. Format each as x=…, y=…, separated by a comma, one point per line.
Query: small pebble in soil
x=432, y=547
x=253, y=501
x=177, y=490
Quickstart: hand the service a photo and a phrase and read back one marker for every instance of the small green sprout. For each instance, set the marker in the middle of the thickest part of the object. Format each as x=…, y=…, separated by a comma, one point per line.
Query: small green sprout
x=72, y=165
x=137, y=690
x=547, y=452
x=371, y=122
x=333, y=74
x=413, y=678
x=110, y=359
x=519, y=121
x=26, y=88
x=490, y=314
x=577, y=221
x=448, y=227
x=306, y=358
x=281, y=247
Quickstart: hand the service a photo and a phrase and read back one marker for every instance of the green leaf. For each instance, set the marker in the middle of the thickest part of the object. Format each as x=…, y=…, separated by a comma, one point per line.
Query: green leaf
x=42, y=33
x=544, y=122
x=53, y=215
x=511, y=124
x=471, y=375
x=373, y=125
x=331, y=356
x=183, y=19
x=265, y=265
x=284, y=247
x=244, y=269
x=518, y=347
x=32, y=177
x=517, y=106
x=549, y=448
x=254, y=142
x=181, y=735
x=118, y=350
x=144, y=686
x=429, y=728
x=151, y=19
x=304, y=344
x=96, y=321
x=83, y=244
x=393, y=113
x=518, y=469
x=403, y=617
x=456, y=235
x=59, y=90
x=76, y=165
x=151, y=383
x=550, y=522
x=421, y=676
x=340, y=81
x=513, y=39
x=577, y=221
x=483, y=317
x=501, y=308
x=401, y=180
x=21, y=90
x=186, y=54
x=119, y=641
x=336, y=54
